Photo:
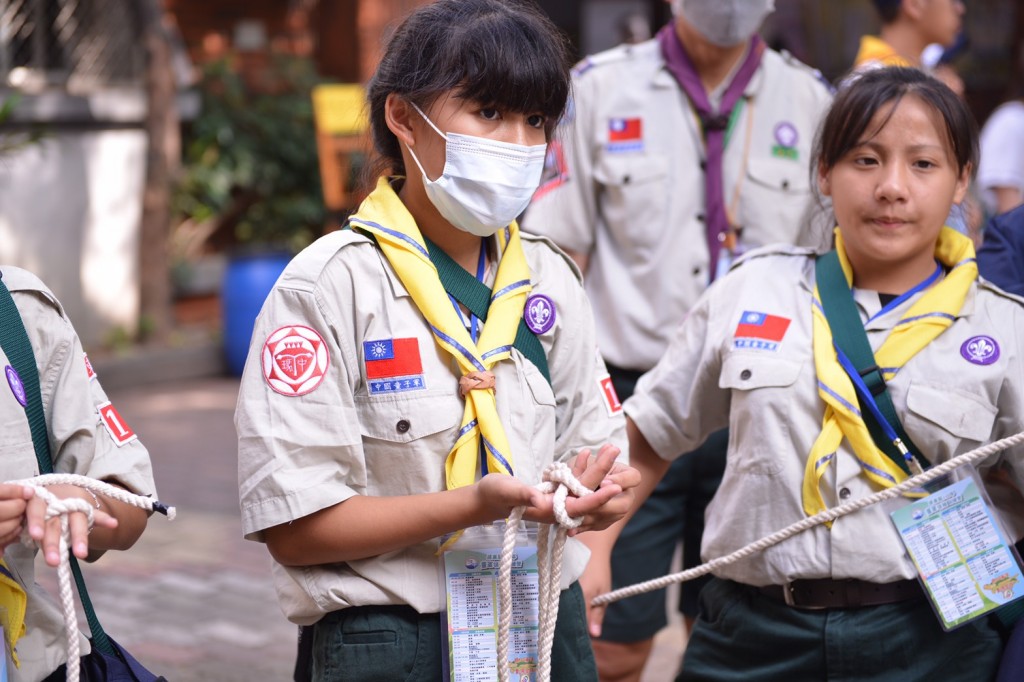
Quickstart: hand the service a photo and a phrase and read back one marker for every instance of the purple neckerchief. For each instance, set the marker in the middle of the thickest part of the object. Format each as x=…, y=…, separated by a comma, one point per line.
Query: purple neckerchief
x=714, y=124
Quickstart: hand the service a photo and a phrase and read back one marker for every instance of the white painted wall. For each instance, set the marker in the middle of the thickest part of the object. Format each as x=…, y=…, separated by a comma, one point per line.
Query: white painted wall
x=70, y=212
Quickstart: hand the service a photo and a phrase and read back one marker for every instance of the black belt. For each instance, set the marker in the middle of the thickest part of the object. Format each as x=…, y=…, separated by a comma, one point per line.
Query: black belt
x=842, y=594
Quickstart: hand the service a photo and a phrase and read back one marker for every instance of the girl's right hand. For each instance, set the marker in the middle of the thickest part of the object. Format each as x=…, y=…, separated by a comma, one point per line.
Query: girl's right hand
x=13, y=503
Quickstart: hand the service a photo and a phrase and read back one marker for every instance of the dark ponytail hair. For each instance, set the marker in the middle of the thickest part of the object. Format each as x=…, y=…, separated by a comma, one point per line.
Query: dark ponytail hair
x=501, y=53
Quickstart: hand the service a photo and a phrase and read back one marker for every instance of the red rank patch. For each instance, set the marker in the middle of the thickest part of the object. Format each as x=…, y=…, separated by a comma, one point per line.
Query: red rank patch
x=116, y=426
x=611, y=398
x=295, y=360
x=89, y=371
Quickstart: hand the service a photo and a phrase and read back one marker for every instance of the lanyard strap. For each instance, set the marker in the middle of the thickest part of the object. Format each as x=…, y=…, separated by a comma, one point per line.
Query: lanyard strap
x=476, y=296
x=856, y=357
x=16, y=345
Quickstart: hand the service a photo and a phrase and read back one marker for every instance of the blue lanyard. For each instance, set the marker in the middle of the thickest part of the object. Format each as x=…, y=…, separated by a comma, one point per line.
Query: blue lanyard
x=474, y=321
x=866, y=397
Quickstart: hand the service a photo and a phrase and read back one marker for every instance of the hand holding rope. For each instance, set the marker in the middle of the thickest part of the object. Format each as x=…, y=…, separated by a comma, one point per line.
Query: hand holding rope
x=57, y=507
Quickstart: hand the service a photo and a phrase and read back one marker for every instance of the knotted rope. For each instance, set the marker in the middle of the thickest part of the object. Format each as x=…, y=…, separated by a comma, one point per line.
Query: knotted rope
x=63, y=508
x=826, y=516
x=558, y=478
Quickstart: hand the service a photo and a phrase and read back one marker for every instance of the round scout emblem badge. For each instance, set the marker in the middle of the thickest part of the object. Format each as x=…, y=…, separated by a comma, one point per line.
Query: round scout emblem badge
x=980, y=350
x=295, y=360
x=539, y=313
x=786, y=134
x=17, y=388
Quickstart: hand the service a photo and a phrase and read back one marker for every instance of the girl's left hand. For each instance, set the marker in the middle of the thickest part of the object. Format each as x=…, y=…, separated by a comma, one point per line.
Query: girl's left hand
x=612, y=498
x=604, y=475
x=47, y=532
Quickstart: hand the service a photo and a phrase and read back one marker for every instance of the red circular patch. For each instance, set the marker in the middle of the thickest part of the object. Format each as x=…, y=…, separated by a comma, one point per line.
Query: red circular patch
x=295, y=360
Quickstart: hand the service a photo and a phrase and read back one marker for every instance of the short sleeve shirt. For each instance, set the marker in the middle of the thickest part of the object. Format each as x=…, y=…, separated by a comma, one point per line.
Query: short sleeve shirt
x=712, y=376
x=1001, y=161
x=82, y=441
x=624, y=184
x=385, y=430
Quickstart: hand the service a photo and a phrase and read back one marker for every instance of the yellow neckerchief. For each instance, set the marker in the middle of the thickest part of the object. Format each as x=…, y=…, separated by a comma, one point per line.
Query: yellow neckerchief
x=874, y=49
x=933, y=312
x=12, y=609
x=384, y=215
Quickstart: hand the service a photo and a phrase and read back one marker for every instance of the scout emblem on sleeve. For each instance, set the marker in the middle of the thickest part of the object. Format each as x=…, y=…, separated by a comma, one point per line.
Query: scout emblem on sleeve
x=393, y=366
x=116, y=426
x=295, y=360
x=17, y=388
x=980, y=350
x=539, y=313
x=759, y=331
x=786, y=136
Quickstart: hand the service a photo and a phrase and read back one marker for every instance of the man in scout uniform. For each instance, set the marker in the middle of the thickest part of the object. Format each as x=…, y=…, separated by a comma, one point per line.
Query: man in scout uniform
x=675, y=156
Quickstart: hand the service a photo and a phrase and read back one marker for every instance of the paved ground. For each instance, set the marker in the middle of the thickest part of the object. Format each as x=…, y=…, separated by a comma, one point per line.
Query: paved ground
x=192, y=600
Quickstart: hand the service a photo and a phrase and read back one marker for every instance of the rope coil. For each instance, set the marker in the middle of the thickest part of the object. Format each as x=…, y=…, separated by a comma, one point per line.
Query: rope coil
x=832, y=514
x=558, y=478
x=62, y=508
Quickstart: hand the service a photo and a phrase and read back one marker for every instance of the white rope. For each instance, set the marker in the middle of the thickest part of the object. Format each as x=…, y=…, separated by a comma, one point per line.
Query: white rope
x=63, y=508
x=557, y=478
x=911, y=483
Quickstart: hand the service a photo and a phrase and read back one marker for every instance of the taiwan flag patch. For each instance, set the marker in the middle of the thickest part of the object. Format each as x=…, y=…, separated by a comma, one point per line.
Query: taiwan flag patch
x=393, y=366
x=760, y=331
x=625, y=134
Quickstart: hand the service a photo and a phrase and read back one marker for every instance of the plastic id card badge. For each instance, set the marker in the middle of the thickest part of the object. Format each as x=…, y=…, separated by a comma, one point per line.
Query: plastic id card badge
x=963, y=558
x=470, y=621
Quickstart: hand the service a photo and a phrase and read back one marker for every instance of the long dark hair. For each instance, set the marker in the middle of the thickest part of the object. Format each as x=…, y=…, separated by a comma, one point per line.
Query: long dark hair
x=501, y=53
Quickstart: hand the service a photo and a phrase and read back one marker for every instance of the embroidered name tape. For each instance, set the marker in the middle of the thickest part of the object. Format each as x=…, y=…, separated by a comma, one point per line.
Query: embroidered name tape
x=295, y=360
x=760, y=331
x=393, y=366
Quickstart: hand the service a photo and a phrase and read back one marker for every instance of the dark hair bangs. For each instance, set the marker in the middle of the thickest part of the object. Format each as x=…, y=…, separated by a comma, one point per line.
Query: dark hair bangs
x=511, y=65
x=854, y=108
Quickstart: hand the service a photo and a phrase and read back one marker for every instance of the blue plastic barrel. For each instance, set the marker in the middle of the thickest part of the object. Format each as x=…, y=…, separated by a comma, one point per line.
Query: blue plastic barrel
x=248, y=279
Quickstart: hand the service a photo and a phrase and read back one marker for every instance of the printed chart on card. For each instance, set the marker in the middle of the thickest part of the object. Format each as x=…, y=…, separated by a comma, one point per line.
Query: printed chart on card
x=962, y=556
x=471, y=578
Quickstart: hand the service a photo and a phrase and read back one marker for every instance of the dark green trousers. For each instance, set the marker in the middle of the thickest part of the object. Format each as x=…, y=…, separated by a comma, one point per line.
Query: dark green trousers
x=394, y=643
x=743, y=636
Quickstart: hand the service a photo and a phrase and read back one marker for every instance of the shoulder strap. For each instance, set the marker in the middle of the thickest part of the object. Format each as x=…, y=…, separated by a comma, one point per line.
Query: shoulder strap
x=16, y=345
x=849, y=337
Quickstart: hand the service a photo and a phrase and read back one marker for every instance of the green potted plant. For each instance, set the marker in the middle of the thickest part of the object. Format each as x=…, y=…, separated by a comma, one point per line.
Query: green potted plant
x=250, y=187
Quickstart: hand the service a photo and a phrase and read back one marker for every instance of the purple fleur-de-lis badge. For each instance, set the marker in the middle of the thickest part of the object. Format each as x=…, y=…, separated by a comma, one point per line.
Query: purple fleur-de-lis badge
x=17, y=387
x=539, y=313
x=980, y=350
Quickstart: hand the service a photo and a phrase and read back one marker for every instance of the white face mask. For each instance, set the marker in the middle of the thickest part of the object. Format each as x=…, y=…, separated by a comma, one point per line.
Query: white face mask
x=485, y=184
x=725, y=22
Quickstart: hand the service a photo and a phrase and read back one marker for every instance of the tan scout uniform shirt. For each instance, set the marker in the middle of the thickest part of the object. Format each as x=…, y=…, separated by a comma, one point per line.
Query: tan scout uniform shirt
x=79, y=444
x=637, y=209
x=769, y=399
x=298, y=455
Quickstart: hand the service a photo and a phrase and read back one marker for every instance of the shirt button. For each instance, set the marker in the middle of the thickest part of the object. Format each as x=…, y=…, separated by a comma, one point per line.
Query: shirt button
x=402, y=426
x=746, y=374
x=844, y=493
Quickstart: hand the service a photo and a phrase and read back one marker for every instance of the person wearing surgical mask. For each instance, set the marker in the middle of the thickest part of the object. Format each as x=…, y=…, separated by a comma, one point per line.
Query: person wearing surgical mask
x=412, y=376
x=677, y=155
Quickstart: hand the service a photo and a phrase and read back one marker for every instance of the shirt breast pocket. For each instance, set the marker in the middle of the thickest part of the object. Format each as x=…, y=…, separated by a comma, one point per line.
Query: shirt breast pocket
x=775, y=195
x=758, y=416
x=406, y=439
x=634, y=194
x=939, y=418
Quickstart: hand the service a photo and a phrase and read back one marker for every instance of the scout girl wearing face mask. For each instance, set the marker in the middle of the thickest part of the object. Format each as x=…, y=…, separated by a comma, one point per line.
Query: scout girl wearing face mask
x=382, y=410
